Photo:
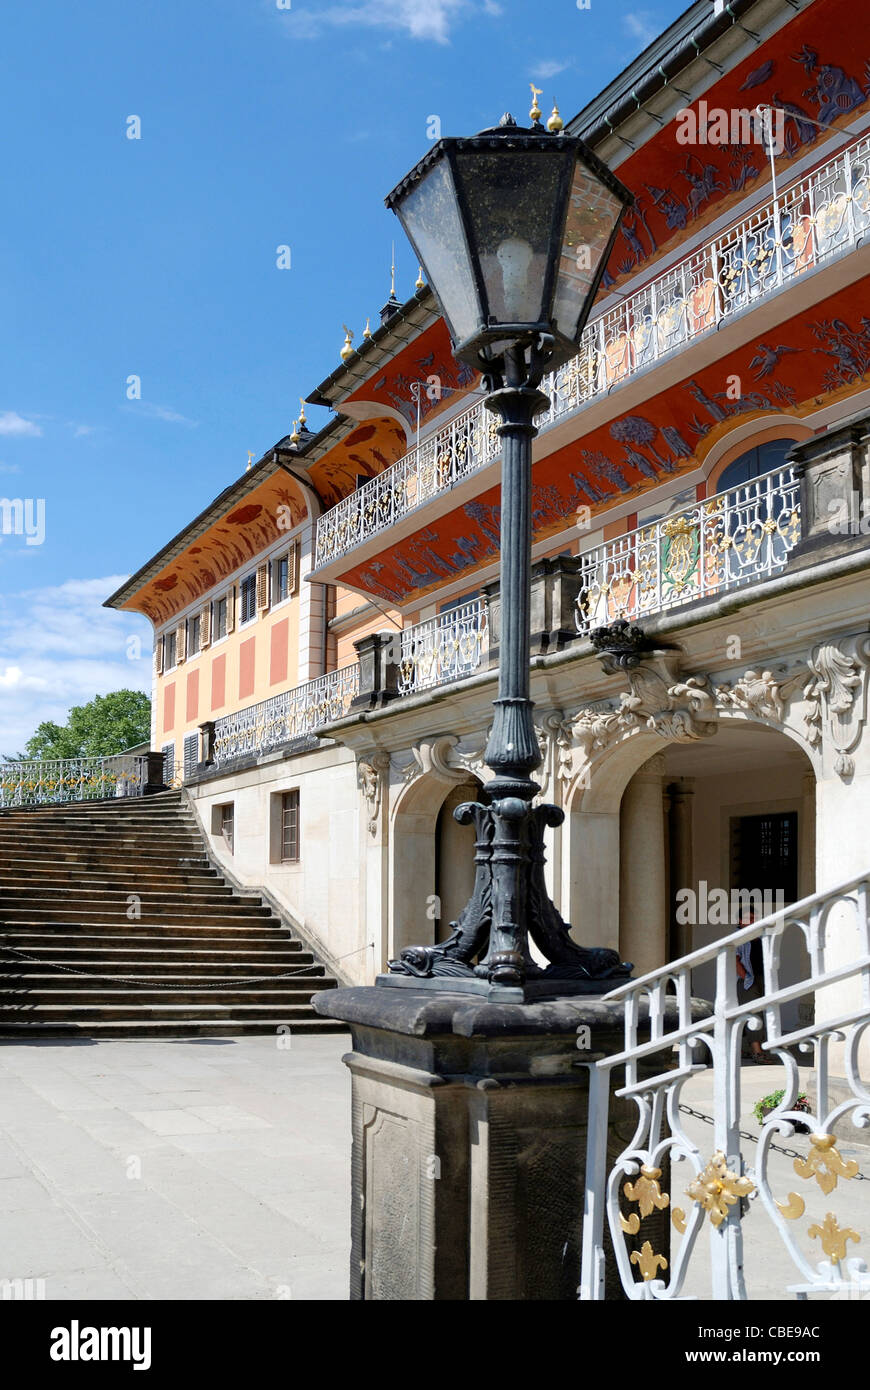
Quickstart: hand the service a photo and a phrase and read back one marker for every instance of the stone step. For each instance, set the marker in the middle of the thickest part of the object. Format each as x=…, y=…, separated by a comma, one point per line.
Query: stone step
x=158, y=1010
x=166, y=969
x=174, y=948
x=116, y=997
x=39, y=912
x=61, y=985
x=162, y=1028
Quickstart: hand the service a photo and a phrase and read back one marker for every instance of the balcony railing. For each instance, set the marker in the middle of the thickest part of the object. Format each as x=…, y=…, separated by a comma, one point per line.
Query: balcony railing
x=443, y=649
x=825, y=212
x=45, y=782
x=291, y=715
x=733, y=538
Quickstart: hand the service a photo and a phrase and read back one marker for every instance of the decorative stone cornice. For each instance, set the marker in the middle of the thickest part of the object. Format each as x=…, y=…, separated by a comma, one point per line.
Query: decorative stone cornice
x=836, y=697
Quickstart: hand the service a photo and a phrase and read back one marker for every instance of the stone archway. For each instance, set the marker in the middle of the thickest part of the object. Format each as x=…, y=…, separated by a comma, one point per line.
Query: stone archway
x=648, y=816
x=425, y=887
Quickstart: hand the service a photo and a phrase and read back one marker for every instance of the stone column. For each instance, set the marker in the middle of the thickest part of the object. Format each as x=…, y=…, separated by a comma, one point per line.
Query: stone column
x=469, y=1143
x=682, y=796
x=643, y=915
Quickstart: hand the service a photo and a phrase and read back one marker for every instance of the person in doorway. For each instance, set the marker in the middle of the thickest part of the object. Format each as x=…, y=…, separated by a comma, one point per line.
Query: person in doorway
x=750, y=974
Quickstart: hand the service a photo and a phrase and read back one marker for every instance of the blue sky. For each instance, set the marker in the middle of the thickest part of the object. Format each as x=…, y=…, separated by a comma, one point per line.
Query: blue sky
x=261, y=126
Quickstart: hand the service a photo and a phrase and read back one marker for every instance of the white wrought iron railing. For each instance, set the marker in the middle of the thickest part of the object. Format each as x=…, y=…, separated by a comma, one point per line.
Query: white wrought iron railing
x=444, y=648
x=282, y=718
x=44, y=782
x=823, y=213
x=733, y=538
x=666, y=1046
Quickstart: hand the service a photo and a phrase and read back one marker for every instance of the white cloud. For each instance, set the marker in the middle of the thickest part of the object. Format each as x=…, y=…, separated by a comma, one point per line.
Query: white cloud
x=641, y=25
x=421, y=19
x=58, y=648
x=162, y=412
x=10, y=467
x=13, y=423
x=548, y=69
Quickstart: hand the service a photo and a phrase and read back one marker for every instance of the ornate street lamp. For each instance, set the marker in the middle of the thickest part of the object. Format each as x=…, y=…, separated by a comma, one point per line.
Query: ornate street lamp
x=513, y=228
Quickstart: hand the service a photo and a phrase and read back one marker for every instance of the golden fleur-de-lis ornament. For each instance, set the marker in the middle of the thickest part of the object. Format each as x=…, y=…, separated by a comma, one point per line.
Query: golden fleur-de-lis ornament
x=833, y=1237
x=825, y=1163
x=647, y=1261
x=646, y=1192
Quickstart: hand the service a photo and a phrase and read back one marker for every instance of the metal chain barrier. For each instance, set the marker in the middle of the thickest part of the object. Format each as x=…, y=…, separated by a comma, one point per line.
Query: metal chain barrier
x=155, y=984
x=753, y=1138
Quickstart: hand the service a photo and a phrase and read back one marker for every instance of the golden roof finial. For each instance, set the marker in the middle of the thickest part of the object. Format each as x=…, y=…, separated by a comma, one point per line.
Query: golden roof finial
x=367, y=332
x=301, y=411
x=419, y=283
x=555, y=124
x=294, y=438
x=393, y=272
x=535, y=113
x=347, y=351
x=250, y=458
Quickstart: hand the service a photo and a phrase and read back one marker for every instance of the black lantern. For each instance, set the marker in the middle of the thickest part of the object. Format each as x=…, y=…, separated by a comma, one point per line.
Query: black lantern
x=514, y=228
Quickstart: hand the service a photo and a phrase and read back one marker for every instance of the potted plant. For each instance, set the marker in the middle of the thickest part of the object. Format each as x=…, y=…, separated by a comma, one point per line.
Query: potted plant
x=769, y=1103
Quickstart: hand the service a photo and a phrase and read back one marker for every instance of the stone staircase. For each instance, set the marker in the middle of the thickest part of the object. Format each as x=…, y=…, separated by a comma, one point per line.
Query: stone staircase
x=200, y=959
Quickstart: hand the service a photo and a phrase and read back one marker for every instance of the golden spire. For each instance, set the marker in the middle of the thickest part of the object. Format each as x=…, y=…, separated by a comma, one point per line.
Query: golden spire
x=367, y=332
x=555, y=124
x=302, y=412
x=347, y=351
x=250, y=460
x=419, y=283
x=294, y=438
x=535, y=113
x=393, y=273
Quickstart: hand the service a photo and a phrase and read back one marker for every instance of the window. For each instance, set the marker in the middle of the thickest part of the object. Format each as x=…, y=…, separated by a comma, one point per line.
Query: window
x=191, y=754
x=194, y=635
x=170, y=650
x=281, y=578
x=284, y=575
x=755, y=463
x=219, y=619
x=248, y=593
x=290, y=827
x=222, y=823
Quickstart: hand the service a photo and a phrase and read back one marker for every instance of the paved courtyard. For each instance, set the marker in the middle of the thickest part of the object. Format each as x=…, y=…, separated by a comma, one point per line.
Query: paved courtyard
x=216, y=1168
x=220, y=1168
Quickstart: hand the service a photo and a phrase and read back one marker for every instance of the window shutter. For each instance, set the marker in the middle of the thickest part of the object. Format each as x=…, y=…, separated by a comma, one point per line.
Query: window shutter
x=293, y=568
x=205, y=627
x=231, y=609
x=180, y=643
x=262, y=586
x=158, y=655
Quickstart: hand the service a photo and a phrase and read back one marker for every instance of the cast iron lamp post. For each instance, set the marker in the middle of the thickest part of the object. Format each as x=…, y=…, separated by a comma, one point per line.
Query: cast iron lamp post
x=513, y=228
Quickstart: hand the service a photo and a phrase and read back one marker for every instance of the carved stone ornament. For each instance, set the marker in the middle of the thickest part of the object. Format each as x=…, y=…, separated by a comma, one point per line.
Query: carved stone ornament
x=756, y=692
x=836, y=697
x=371, y=776
x=444, y=757
x=682, y=709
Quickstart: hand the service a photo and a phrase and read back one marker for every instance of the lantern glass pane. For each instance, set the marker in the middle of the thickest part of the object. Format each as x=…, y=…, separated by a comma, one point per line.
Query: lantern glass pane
x=430, y=217
x=593, y=212
x=511, y=200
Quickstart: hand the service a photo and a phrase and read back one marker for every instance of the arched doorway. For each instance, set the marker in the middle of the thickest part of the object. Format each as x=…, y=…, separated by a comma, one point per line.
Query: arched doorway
x=710, y=826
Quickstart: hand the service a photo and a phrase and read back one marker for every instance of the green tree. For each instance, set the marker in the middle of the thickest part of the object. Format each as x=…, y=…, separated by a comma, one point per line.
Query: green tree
x=105, y=725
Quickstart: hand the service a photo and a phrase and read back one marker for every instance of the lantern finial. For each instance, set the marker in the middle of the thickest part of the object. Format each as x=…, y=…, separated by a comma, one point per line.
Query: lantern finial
x=347, y=351
x=535, y=113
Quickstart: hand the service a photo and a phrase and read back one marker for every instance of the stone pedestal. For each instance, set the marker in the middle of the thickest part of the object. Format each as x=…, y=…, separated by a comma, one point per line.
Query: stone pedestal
x=469, y=1142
